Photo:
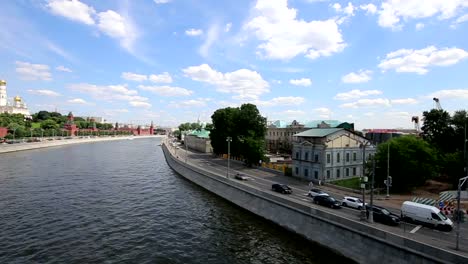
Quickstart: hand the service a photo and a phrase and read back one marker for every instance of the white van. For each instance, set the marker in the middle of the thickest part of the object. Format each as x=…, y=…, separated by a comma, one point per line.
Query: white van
x=425, y=214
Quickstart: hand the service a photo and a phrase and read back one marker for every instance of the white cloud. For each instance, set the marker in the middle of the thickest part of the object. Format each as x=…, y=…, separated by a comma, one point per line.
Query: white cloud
x=369, y=8
x=167, y=90
x=404, y=101
x=323, y=112
x=347, y=10
x=44, y=92
x=108, y=93
x=354, y=94
x=450, y=94
x=462, y=19
x=284, y=36
x=228, y=27
x=73, y=10
x=378, y=102
x=359, y=77
x=116, y=26
x=201, y=102
x=165, y=77
x=246, y=84
x=63, y=68
x=392, y=12
x=193, y=32
x=162, y=1
x=369, y=114
x=140, y=104
x=280, y=101
x=419, y=26
x=417, y=61
x=129, y=76
x=301, y=82
x=211, y=37
x=31, y=72
x=77, y=101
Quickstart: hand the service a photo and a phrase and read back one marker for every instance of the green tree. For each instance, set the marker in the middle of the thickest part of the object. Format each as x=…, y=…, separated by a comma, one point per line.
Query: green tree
x=184, y=127
x=437, y=130
x=247, y=129
x=412, y=162
x=49, y=124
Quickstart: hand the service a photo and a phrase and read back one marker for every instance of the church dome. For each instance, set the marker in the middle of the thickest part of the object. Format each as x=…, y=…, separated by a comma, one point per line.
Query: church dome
x=2, y=83
x=17, y=99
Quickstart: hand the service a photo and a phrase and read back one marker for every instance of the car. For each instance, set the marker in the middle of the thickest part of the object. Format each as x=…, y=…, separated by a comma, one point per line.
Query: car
x=314, y=192
x=281, y=188
x=327, y=200
x=352, y=202
x=425, y=214
x=382, y=215
x=240, y=176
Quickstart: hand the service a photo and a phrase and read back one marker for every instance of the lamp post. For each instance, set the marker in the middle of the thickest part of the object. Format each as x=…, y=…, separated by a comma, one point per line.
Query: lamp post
x=229, y=140
x=42, y=134
x=461, y=181
x=186, y=148
x=31, y=132
x=14, y=132
x=364, y=181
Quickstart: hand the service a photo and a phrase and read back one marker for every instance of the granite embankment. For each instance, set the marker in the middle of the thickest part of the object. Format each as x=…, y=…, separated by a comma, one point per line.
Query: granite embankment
x=5, y=148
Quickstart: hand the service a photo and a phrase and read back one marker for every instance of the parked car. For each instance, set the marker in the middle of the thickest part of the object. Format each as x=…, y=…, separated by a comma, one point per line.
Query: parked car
x=314, y=192
x=425, y=214
x=281, y=188
x=327, y=200
x=352, y=202
x=240, y=176
x=383, y=216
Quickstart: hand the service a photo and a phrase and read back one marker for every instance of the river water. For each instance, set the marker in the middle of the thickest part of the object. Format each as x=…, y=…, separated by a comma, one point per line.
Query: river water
x=119, y=202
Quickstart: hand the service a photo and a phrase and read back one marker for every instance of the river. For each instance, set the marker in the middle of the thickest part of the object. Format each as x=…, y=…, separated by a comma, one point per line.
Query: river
x=119, y=202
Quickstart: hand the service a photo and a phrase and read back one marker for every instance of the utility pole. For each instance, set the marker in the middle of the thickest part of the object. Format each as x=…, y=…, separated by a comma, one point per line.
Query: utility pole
x=460, y=183
x=388, y=170
x=371, y=213
x=228, y=139
x=363, y=182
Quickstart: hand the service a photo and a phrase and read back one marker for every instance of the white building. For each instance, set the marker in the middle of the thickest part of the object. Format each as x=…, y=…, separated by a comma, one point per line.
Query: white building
x=329, y=154
x=15, y=106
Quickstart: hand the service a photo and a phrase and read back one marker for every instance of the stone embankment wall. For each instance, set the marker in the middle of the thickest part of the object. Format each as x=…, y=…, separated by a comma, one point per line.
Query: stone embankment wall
x=350, y=238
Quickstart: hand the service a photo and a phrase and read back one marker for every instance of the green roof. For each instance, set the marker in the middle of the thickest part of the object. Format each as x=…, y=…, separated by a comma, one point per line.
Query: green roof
x=318, y=132
x=200, y=133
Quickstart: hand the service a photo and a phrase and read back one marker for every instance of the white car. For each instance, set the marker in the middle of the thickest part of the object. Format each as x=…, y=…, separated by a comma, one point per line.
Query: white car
x=314, y=192
x=352, y=202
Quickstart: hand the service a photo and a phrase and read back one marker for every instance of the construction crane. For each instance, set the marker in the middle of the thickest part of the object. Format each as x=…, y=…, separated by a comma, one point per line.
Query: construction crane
x=437, y=103
x=415, y=119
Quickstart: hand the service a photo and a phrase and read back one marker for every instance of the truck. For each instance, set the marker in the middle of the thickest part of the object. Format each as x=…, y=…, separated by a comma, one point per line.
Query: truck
x=425, y=214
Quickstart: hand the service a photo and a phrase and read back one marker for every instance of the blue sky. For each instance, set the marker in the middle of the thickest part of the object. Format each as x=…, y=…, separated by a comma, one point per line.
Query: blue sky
x=374, y=63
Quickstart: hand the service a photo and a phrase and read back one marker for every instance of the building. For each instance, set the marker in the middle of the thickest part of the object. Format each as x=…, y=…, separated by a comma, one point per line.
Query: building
x=15, y=106
x=329, y=153
x=199, y=140
x=279, y=136
x=378, y=136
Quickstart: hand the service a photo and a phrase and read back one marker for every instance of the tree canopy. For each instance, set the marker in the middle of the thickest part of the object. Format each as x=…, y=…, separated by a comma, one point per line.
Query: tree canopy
x=247, y=129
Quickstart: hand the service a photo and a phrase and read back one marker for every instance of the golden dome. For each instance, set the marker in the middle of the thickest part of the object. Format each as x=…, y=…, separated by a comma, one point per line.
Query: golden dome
x=2, y=83
x=17, y=99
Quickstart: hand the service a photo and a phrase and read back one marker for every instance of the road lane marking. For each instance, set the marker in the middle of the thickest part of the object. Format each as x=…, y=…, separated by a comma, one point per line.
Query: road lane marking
x=415, y=229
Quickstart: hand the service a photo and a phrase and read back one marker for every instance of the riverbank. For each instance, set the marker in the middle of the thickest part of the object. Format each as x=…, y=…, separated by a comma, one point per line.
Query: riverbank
x=47, y=143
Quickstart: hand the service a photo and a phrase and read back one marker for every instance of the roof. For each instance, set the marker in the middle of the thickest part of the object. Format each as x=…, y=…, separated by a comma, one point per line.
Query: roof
x=200, y=133
x=315, y=123
x=318, y=132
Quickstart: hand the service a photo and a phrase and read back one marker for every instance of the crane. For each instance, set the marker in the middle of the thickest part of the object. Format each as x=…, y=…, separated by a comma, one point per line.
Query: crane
x=415, y=119
x=437, y=103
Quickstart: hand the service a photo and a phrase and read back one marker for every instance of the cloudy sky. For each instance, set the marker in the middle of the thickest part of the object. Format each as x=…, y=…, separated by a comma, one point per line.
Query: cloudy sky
x=374, y=63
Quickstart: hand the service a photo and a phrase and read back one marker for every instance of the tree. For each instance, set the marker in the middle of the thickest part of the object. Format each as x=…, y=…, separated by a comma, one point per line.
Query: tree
x=437, y=130
x=49, y=124
x=412, y=162
x=184, y=127
x=247, y=129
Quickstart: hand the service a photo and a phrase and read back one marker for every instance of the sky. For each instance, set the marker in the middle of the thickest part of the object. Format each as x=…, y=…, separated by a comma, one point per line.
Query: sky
x=374, y=63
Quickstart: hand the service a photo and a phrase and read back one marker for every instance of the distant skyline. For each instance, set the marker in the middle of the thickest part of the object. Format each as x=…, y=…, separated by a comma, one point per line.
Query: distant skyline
x=372, y=63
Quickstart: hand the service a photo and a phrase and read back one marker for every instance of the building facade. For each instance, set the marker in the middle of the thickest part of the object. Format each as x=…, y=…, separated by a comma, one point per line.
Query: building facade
x=15, y=106
x=328, y=154
x=199, y=141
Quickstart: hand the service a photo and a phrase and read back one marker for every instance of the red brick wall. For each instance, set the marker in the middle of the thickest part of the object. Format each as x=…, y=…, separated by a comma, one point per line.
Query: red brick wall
x=3, y=132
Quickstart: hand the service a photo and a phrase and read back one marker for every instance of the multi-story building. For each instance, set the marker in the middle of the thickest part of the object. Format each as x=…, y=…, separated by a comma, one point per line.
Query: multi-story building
x=15, y=106
x=329, y=153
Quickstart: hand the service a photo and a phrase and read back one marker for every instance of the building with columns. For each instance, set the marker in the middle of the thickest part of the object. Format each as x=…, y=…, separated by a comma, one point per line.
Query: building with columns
x=329, y=154
x=15, y=106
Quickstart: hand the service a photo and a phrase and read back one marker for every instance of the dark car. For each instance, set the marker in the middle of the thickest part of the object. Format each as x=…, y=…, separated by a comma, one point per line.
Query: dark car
x=328, y=201
x=281, y=188
x=383, y=216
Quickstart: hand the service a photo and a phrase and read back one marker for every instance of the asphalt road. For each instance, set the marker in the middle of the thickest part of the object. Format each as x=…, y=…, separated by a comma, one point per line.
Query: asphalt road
x=263, y=180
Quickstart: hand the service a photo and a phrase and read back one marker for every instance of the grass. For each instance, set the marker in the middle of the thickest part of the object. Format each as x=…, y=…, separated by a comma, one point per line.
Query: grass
x=353, y=183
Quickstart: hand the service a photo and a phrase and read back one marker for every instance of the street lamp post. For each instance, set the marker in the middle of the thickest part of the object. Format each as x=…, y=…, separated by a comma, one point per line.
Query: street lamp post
x=14, y=132
x=42, y=134
x=363, y=182
x=186, y=148
x=371, y=213
x=461, y=181
x=229, y=140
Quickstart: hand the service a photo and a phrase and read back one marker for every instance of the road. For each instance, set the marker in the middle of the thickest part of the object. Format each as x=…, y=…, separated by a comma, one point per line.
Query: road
x=263, y=180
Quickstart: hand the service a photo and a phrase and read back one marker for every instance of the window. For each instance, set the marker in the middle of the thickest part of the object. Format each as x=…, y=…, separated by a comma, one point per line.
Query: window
x=307, y=155
x=347, y=172
x=316, y=157
x=337, y=157
x=316, y=175
x=328, y=174
x=306, y=173
x=328, y=158
x=354, y=171
x=337, y=173
x=297, y=155
x=347, y=157
x=354, y=156
x=435, y=216
x=297, y=171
